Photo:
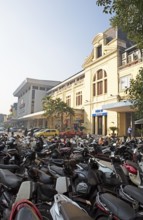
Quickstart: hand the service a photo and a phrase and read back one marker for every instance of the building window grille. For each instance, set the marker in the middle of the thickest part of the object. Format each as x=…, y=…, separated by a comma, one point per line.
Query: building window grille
x=35, y=87
x=124, y=82
x=33, y=94
x=100, y=88
x=105, y=86
x=99, y=51
x=42, y=88
x=99, y=74
x=100, y=83
x=78, y=98
x=68, y=100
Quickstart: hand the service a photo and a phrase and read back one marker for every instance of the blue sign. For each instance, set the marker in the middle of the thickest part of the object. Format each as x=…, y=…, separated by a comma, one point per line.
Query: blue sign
x=99, y=112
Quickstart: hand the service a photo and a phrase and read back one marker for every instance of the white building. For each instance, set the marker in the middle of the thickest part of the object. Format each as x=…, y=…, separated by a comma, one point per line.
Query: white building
x=30, y=94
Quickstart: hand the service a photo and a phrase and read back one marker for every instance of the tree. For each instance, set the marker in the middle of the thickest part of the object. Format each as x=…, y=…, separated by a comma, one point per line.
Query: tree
x=56, y=108
x=135, y=93
x=127, y=15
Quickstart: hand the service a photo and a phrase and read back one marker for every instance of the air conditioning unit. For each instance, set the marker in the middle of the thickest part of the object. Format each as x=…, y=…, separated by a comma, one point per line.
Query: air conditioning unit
x=124, y=62
x=124, y=56
x=130, y=58
x=136, y=55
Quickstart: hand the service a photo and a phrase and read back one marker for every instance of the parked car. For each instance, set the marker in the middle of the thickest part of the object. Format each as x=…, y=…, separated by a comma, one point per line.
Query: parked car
x=71, y=133
x=31, y=131
x=47, y=132
x=13, y=129
x=38, y=130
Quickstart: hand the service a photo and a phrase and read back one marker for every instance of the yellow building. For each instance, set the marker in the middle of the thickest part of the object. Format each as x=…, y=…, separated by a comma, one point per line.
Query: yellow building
x=71, y=91
x=99, y=88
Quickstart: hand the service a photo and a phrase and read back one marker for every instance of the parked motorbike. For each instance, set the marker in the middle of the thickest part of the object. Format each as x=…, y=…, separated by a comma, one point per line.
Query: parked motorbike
x=65, y=209
x=130, y=193
x=25, y=209
x=126, y=150
x=104, y=205
x=132, y=168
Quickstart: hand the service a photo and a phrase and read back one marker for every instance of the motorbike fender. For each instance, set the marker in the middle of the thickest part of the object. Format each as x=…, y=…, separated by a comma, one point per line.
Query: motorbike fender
x=25, y=191
x=62, y=184
x=135, y=179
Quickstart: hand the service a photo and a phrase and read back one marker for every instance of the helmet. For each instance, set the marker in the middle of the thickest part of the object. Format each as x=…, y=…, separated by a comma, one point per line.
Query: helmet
x=82, y=188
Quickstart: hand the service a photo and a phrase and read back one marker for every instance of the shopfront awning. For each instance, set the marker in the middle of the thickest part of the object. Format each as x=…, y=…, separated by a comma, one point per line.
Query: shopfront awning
x=123, y=106
x=139, y=122
x=35, y=115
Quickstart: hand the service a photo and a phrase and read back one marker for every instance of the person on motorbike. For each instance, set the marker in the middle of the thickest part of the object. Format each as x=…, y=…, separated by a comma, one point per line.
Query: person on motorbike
x=101, y=141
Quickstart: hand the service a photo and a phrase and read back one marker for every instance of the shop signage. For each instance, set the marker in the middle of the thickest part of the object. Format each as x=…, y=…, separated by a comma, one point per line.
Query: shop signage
x=99, y=112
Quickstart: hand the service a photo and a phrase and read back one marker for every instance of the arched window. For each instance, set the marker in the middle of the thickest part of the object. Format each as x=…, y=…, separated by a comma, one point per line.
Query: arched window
x=100, y=83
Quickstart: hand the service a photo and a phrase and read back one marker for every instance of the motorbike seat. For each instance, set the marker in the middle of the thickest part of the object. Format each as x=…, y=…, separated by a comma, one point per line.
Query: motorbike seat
x=117, y=206
x=26, y=213
x=12, y=167
x=57, y=170
x=134, y=192
x=44, y=178
x=59, y=162
x=71, y=211
x=24, y=209
x=40, y=175
x=9, y=179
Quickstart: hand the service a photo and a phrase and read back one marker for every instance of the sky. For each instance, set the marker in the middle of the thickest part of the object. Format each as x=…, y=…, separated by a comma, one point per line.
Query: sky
x=45, y=39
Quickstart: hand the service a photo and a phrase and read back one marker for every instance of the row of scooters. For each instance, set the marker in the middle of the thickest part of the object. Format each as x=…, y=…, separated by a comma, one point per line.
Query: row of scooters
x=90, y=190
x=96, y=191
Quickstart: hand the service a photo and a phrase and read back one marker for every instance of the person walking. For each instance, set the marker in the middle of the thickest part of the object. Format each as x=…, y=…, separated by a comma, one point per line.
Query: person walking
x=129, y=131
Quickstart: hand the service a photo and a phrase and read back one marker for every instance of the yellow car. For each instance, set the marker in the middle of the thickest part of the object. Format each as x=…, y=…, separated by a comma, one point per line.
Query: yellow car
x=47, y=132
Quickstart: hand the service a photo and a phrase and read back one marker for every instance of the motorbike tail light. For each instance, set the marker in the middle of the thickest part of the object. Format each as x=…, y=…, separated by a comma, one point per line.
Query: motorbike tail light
x=131, y=169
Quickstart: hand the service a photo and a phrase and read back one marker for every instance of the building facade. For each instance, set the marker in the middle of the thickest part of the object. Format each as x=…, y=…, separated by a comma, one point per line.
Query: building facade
x=97, y=88
x=29, y=107
x=131, y=63
x=102, y=80
x=97, y=92
x=72, y=92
